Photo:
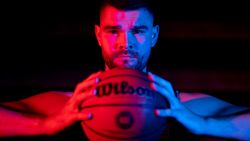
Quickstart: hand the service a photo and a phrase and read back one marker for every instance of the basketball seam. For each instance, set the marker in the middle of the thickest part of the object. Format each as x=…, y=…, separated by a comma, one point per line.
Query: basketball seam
x=130, y=105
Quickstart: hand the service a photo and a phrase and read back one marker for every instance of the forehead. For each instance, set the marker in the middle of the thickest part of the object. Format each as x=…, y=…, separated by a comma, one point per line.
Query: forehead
x=113, y=16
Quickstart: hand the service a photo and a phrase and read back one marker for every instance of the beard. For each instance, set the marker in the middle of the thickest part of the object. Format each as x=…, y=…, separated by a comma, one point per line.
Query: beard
x=140, y=64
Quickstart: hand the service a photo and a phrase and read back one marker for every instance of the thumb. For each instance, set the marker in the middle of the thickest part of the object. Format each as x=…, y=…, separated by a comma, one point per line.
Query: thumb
x=163, y=112
x=84, y=116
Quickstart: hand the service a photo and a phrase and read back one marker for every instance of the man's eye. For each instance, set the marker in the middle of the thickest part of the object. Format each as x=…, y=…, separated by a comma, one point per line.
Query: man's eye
x=137, y=31
x=112, y=31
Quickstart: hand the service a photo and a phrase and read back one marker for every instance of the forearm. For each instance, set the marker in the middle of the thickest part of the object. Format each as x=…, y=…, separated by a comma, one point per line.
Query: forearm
x=237, y=127
x=18, y=124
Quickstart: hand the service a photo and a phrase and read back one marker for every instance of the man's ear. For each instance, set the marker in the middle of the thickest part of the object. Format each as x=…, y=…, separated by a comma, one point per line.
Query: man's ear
x=97, y=34
x=155, y=35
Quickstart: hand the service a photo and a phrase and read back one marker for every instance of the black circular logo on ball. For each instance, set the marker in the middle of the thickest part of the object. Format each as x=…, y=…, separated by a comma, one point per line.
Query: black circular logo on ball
x=124, y=120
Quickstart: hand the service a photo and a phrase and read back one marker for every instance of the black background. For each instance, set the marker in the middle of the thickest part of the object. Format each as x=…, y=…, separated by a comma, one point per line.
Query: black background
x=51, y=45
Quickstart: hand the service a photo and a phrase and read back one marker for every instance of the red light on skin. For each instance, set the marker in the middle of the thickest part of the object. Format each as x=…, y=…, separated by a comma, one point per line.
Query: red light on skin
x=126, y=37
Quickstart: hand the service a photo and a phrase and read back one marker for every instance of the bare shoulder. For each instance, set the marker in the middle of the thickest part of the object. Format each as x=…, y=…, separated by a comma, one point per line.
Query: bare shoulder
x=208, y=105
x=43, y=103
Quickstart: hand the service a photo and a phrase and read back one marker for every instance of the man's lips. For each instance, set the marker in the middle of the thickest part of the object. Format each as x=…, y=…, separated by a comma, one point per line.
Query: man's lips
x=125, y=56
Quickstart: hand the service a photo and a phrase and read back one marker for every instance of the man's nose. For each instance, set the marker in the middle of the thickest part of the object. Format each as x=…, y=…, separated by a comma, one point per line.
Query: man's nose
x=125, y=41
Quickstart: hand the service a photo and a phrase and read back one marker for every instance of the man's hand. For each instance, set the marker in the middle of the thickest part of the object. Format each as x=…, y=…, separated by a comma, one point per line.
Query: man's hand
x=177, y=110
x=71, y=113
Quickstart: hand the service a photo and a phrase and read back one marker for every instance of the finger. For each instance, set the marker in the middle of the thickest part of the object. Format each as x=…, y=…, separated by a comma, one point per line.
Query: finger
x=85, y=85
x=94, y=75
x=92, y=79
x=80, y=98
x=84, y=91
x=84, y=116
x=159, y=80
x=79, y=116
x=164, y=87
x=165, y=92
x=163, y=112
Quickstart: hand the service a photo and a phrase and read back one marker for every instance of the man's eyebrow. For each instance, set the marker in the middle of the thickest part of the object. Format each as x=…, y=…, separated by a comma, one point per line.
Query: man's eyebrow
x=108, y=27
x=140, y=27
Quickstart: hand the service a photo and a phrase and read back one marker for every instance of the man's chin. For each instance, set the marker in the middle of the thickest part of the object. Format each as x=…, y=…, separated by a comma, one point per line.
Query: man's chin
x=126, y=64
x=125, y=67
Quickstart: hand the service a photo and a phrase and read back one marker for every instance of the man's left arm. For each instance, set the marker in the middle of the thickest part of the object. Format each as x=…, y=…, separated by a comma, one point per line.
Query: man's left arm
x=221, y=119
x=203, y=114
x=235, y=126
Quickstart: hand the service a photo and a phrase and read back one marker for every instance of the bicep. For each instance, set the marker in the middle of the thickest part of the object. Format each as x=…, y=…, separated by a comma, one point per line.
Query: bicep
x=44, y=103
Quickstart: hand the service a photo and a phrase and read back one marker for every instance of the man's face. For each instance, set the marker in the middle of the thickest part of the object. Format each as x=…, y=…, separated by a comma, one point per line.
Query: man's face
x=126, y=37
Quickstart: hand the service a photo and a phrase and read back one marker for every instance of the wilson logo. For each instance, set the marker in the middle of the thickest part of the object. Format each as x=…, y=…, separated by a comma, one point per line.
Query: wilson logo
x=123, y=88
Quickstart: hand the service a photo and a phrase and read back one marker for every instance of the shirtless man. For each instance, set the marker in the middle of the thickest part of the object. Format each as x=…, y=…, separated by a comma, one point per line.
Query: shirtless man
x=126, y=34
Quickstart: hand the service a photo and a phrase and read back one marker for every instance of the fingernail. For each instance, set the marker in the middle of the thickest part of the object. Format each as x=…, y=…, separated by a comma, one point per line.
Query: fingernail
x=150, y=75
x=97, y=80
x=157, y=112
x=151, y=85
x=177, y=93
x=90, y=116
x=95, y=92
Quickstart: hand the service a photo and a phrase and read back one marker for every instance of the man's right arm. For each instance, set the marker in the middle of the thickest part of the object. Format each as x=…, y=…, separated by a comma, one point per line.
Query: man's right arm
x=47, y=113
x=27, y=117
x=16, y=123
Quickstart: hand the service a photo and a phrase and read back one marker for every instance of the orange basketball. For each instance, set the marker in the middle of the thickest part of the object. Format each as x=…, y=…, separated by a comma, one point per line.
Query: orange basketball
x=123, y=108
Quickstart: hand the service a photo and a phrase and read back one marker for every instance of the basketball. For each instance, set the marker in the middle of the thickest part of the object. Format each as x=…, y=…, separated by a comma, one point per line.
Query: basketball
x=123, y=108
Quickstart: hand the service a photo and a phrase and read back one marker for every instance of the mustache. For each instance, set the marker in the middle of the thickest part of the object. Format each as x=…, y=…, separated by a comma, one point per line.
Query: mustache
x=126, y=53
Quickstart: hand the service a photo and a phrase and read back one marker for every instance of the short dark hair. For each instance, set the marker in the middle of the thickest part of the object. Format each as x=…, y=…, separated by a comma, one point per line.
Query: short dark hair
x=126, y=5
